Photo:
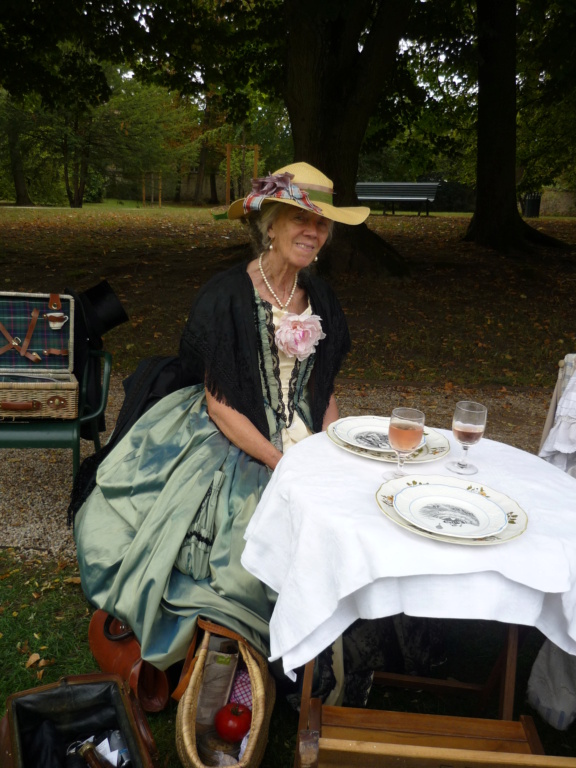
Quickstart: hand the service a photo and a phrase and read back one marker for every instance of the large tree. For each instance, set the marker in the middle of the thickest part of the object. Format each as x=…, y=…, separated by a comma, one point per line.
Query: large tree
x=329, y=61
x=339, y=55
x=497, y=222
x=14, y=123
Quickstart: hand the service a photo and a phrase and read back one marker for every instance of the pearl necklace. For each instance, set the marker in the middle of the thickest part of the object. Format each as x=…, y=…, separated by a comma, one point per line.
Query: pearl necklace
x=282, y=306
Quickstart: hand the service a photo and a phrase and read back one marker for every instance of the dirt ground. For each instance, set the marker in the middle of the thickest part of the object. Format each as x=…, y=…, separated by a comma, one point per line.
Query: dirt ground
x=464, y=325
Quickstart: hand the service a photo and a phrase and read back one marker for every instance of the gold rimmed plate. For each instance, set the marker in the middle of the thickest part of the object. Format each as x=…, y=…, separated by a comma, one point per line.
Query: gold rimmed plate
x=365, y=432
x=516, y=517
x=436, y=446
x=457, y=512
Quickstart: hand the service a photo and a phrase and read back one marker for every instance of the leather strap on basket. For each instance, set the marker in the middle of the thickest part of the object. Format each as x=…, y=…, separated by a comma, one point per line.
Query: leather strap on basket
x=30, y=331
x=190, y=661
x=54, y=302
x=53, y=351
x=14, y=344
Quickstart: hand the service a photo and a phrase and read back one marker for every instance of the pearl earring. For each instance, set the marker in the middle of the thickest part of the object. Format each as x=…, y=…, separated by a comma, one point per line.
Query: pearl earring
x=315, y=258
x=271, y=247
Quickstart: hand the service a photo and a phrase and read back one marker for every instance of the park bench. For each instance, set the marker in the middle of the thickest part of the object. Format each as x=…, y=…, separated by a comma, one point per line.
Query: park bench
x=396, y=192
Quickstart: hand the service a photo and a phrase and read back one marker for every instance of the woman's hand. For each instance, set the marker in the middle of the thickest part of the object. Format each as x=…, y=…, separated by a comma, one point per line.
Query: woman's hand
x=241, y=432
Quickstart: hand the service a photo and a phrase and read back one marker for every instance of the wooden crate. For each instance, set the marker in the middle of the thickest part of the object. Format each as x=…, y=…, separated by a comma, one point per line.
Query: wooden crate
x=367, y=738
x=378, y=739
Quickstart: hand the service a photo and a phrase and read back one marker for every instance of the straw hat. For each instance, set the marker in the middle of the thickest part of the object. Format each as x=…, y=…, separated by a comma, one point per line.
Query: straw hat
x=300, y=185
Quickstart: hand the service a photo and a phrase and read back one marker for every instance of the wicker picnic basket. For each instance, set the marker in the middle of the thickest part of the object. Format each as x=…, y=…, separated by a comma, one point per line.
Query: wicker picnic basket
x=36, y=356
x=263, y=697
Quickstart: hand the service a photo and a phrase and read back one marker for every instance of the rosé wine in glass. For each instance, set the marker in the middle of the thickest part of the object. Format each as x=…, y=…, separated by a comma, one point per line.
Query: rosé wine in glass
x=467, y=434
x=468, y=425
x=404, y=435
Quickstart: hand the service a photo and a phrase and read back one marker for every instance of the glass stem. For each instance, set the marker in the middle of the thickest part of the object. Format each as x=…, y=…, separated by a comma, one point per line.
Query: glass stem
x=463, y=461
x=401, y=460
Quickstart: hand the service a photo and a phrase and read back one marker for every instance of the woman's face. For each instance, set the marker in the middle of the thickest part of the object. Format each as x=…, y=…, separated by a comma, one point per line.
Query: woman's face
x=298, y=235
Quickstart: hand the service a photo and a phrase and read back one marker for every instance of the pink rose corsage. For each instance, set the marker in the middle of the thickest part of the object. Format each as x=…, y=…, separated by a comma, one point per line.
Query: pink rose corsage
x=298, y=335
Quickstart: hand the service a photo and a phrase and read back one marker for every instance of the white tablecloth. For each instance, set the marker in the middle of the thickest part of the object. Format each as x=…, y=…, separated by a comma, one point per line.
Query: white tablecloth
x=319, y=539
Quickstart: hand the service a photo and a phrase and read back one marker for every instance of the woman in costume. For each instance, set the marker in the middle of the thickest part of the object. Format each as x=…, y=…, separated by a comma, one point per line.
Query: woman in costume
x=160, y=537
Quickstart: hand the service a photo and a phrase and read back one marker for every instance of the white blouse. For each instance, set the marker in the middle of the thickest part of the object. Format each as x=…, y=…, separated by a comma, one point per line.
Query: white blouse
x=297, y=430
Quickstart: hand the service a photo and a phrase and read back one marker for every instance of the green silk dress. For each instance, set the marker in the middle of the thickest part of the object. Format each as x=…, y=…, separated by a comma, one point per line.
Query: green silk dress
x=160, y=537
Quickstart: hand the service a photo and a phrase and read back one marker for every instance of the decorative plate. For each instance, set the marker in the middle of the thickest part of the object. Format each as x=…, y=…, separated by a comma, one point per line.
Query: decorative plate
x=516, y=516
x=457, y=512
x=366, y=432
x=436, y=446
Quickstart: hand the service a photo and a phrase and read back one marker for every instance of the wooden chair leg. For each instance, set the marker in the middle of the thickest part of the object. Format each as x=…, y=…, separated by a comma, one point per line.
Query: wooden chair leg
x=508, y=685
x=303, y=720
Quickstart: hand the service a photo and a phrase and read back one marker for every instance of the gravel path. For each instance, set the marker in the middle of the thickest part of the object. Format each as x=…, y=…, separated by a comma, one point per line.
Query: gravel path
x=35, y=484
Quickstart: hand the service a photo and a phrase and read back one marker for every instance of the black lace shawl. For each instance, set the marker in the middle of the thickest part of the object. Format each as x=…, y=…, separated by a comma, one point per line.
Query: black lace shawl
x=219, y=345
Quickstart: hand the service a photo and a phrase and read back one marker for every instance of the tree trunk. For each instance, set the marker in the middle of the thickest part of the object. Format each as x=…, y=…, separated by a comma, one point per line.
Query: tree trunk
x=333, y=86
x=213, y=189
x=17, y=164
x=66, y=159
x=496, y=222
x=200, y=174
x=178, y=188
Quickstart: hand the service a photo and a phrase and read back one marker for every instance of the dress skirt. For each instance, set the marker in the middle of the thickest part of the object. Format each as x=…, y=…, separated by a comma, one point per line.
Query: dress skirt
x=159, y=539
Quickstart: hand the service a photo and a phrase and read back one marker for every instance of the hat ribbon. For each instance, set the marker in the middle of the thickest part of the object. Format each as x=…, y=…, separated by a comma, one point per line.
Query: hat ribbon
x=278, y=187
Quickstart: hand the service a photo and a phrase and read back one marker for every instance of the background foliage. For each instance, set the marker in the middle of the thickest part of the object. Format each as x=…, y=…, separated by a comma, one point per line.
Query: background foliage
x=104, y=92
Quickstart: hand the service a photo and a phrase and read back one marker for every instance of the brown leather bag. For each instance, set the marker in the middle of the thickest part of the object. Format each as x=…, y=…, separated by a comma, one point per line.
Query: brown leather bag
x=74, y=704
x=117, y=651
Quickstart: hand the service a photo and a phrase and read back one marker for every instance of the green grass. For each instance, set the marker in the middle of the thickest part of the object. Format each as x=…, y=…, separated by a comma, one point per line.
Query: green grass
x=44, y=620
x=42, y=611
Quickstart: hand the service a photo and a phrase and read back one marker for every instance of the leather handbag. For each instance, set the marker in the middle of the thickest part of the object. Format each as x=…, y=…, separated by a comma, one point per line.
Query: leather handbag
x=117, y=651
x=74, y=708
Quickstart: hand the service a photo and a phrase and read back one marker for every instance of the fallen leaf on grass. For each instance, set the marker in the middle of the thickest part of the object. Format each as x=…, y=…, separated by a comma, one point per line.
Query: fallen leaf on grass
x=46, y=662
x=8, y=574
x=72, y=580
x=32, y=659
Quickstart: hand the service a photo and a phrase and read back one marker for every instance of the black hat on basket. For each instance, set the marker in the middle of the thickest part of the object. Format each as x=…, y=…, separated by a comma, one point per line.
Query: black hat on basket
x=102, y=309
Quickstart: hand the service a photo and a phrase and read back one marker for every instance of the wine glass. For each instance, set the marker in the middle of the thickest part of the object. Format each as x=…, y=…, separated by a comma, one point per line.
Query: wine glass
x=404, y=435
x=468, y=425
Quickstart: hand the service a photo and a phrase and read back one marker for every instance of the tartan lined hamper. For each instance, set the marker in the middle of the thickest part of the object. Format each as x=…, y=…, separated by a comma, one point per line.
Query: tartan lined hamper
x=36, y=356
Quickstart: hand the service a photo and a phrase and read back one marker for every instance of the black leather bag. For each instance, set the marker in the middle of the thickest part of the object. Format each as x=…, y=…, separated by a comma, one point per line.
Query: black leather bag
x=41, y=723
